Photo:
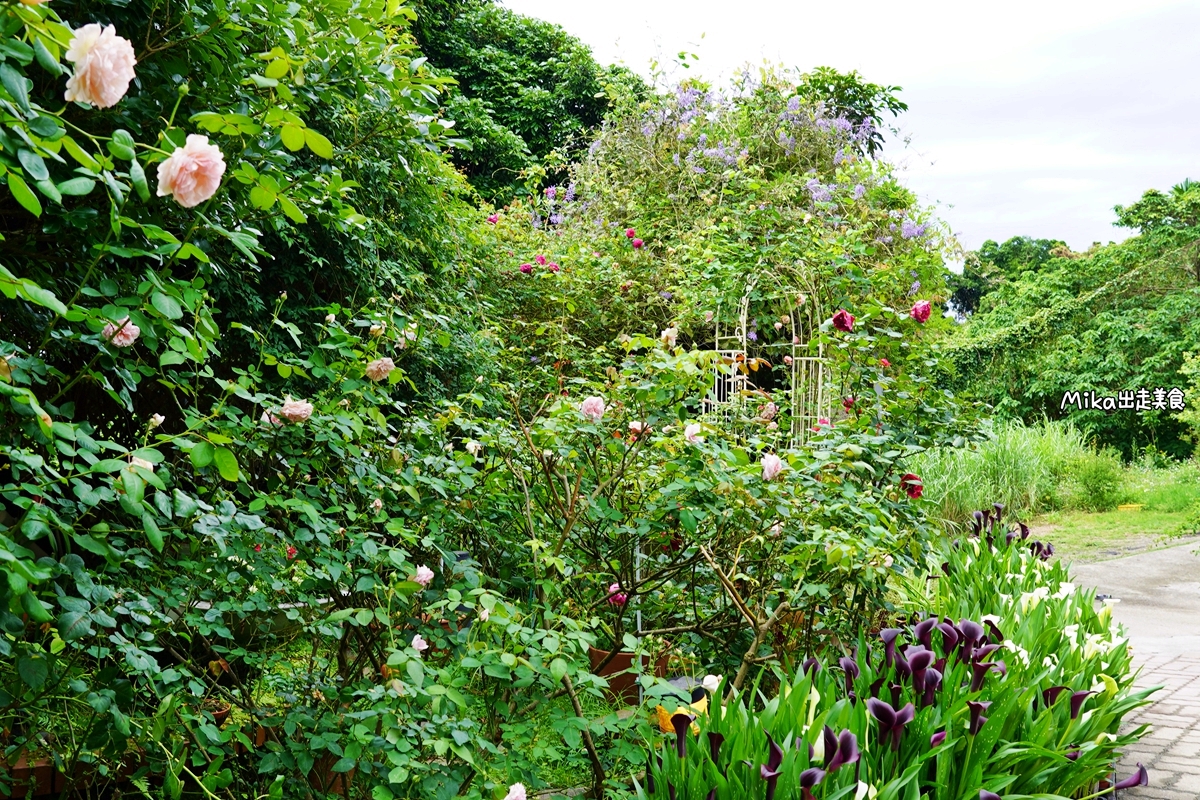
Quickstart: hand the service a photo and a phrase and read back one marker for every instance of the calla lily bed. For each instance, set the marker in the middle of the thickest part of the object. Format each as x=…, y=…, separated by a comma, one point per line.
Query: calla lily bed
x=1007, y=683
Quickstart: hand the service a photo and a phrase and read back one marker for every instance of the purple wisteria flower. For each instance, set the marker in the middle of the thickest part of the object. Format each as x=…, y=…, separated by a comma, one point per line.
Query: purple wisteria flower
x=570, y=193
x=556, y=219
x=911, y=230
x=916, y=287
x=859, y=191
x=819, y=191
x=551, y=192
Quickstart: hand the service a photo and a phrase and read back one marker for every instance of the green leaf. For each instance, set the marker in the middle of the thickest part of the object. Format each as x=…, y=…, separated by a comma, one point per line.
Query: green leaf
x=22, y=193
x=77, y=187
x=185, y=505
x=45, y=58
x=153, y=534
x=121, y=146
x=226, y=463
x=48, y=189
x=167, y=306
x=277, y=68
x=14, y=84
x=74, y=624
x=261, y=197
x=318, y=143
x=45, y=126
x=292, y=136
x=292, y=210
x=202, y=455
x=34, y=164
x=558, y=668
x=76, y=152
x=137, y=176
x=34, y=608
x=33, y=671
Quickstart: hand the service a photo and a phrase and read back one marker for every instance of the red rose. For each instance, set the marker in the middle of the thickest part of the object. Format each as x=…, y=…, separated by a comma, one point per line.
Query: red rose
x=883, y=362
x=291, y=552
x=920, y=310
x=843, y=320
x=848, y=403
x=912, y=485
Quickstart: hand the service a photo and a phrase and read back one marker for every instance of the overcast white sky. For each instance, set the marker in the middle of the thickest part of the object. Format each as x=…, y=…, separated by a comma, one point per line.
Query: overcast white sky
x=1029, y=117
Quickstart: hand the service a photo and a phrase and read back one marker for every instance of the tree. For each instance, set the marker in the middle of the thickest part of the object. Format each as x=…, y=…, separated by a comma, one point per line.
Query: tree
x=846, y=94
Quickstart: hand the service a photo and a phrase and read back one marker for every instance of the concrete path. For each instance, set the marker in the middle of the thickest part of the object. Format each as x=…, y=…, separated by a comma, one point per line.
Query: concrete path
x=1159, y=592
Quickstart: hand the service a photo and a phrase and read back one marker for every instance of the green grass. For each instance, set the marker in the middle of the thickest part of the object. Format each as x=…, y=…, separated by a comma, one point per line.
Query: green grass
x=1081, y=536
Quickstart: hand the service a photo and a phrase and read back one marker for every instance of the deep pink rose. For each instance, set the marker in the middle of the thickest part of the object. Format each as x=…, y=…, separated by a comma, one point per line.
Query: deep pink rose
x=493, y=219
x=527, y=268
x=552, y=267
x=843, y=320
x=911, y=484
x=637, y=244
x=540, y=259
x=630, y=233
x=920, y=310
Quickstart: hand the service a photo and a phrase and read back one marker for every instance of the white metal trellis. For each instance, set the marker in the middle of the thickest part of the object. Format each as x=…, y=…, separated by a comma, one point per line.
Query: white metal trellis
x=734, y=387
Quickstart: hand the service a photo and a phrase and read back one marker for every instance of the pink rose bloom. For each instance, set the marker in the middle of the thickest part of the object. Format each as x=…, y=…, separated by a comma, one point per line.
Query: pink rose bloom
x=630, y=233
x=493, y=219
x=540, y=259
x=883, y=362
x=692, y=432
x=516, y=792
x=291, y=552
x=778, y=326
x=419, y=644
x=424, y=576
x=772, y=465
x=552, y=267
x=637, y=429
x=920, y=310
x=787, y=360
x=380, y=368
x=593, y=408
x=848, y=402
x=637, y=244
x=192, y=173
x=527, y=268
x=121, y=334
x=795, y=340
x=296, y=410
x=484, y=614
x=270, y=419
x=615, y=596
x=769, y=411
x=103, y=66
x=843, y=320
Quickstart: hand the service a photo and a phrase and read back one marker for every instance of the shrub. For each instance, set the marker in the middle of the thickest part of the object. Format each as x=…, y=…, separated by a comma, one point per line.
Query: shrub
x=1098, y=480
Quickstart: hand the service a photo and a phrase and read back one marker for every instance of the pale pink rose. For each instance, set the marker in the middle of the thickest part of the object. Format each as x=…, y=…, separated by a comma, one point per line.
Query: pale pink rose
x=424, y=575
x=593, y=408
x=776, y=529
x=296, y=410
x=516, y=792
x=769, y=411
x=484, y=614
x=419, y=644
x=192, y=173
x=787, y=360
x=377, y=504
x=692, y=432
x=772, y=465
x=156, y=420
x=377, y=329
x=795, y=340
x=668, y=336
x=778, y=326
x=708, y=316
x=380, y=368
x=103, y=66
x=121, y=334
x=330, y=318
x=270, y=419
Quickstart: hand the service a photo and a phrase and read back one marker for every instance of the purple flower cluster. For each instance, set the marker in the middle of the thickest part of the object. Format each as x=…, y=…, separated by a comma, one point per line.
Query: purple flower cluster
x=819, y=191
x=859, y=191
x=912, y=230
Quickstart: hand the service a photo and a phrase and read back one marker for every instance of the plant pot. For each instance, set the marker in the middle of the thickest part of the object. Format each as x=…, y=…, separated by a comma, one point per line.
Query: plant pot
x=218, y=709
x=324, y=779
x=625, y=686
x=40, y=775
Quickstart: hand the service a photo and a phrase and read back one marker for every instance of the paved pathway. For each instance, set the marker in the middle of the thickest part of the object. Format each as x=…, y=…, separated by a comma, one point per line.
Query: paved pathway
x=1160, y=609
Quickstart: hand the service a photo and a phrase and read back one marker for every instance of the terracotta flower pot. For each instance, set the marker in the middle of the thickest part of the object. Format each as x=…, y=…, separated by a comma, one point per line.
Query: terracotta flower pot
x=625, y=686
x=40, y=774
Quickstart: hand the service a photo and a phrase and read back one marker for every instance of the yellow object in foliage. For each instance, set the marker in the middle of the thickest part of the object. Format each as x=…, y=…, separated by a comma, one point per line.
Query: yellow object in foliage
x=699, y=705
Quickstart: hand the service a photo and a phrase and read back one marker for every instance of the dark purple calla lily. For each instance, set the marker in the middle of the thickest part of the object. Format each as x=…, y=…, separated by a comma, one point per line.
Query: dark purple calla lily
x=847, y=751
x=1049, y=696
x=1024, y=530
x=681, y=722
x=919, y=660
x=715, y=740
x=1010, y=537
x=984, y=794
x=809, y=779
x=877, y=685
x=1071, y=755
x=999, y=510
x=946, y=567
x=950, y=637
x=830, y=740
x=923, y=630
x=897, y=692
x=977, y=718
x=980, y=670
x=811, y=667
x=903, y=669
x=891, y=721
x=972, y=634
x=770, y=770
x=982, y=653
x=1077, y=701
x=977, y=524
x=849, y=667
x=937, y=739
x=1139, y=778
x=933, y=679
x=888, y=635
x=993, y=630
